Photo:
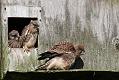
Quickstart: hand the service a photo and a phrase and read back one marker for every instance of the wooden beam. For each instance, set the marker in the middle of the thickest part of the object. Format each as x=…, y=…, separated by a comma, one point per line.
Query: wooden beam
x=1, y=72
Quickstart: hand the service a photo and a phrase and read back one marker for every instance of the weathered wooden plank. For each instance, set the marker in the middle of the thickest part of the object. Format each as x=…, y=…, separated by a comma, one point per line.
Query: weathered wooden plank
x=4, y=49
x=1, y=67
x=1, y=71
x=93, y=23
x=22, y=61
x=4, y=40
x=90, y=22
x=23, y=11
x=22, y=2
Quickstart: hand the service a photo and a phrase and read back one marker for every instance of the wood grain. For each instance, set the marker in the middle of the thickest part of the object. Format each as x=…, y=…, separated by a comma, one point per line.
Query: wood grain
x=93, y=23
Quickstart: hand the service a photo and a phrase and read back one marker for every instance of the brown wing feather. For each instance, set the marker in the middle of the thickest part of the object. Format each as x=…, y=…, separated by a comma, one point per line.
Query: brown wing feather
x=14, y=44
x=64, y=62
x=62, y=47
x=31, y=32
x=24, y=30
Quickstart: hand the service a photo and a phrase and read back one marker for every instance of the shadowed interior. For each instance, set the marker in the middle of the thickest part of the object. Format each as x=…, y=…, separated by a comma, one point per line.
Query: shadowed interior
x=18, y=23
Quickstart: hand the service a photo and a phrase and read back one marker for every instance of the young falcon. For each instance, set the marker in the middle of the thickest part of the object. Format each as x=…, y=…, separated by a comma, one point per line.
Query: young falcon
x=31, y=33
x=64, y=58
x=14, y=40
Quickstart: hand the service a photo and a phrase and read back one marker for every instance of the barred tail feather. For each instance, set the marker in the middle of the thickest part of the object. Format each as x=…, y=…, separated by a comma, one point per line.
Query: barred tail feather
x=44, y=66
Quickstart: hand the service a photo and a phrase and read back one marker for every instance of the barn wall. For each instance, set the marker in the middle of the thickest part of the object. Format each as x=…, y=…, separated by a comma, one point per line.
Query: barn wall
x=1, y=71
x=93, y=23
x=16, y=59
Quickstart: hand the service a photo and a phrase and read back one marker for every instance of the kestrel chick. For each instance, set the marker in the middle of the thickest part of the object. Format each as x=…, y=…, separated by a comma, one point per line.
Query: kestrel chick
x=14, y=39
x=31, y=33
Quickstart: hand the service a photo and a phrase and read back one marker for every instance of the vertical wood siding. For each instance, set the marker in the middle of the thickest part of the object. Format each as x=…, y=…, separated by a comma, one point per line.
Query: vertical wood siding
x=93, y=23
x=1, y=71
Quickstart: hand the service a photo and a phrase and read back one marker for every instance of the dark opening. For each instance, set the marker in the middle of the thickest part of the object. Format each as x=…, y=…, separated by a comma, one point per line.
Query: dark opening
x=18, y=23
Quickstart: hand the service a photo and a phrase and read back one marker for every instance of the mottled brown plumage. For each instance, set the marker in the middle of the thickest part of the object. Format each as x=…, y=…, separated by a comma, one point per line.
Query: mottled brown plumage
x=58, y=49
x=61, y=56
x=62, y=62
x=63, y=46
x=30, y=28
x=31, y=33
x=14, y=40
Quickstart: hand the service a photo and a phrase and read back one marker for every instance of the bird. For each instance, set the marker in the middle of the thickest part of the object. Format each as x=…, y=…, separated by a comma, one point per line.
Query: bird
x=14, y=39
x=57, y=50
x=79, y=49
x=61, y=56
x=33, y=24
x=31, y=33
x=62, y=62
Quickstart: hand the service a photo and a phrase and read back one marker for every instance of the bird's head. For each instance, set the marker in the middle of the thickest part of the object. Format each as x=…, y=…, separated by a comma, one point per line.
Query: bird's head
x=33, y=27
x=14, y=35
x=79, y=49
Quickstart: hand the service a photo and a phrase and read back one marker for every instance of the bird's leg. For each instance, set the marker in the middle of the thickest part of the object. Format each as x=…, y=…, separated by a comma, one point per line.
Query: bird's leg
x=26, y=49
